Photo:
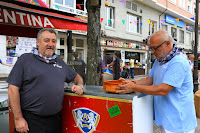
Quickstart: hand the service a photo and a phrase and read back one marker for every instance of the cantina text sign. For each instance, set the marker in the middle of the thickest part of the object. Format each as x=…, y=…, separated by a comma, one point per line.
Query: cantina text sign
x=20, y=18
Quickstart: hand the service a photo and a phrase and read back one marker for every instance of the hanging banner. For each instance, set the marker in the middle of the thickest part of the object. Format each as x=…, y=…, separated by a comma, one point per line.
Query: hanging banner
x=173, y=21
x=14, y=17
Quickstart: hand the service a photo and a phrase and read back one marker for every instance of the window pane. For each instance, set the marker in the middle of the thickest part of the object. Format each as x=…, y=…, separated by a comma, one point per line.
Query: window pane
x=109, y=16
x=70, y=3
x=106, y=19
x=131, y=24
x=127, y=23
x=59, y=1
x=61, y=41
x=79, y=43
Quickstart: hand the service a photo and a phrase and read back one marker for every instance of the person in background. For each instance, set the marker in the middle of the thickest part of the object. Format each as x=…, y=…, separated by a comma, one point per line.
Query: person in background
x=79, y=66
x=101, y=76
x=10, y=65
x=131, y=67
x=36, y=87
x=191, y=61
x=116, y=66
x=170, y=82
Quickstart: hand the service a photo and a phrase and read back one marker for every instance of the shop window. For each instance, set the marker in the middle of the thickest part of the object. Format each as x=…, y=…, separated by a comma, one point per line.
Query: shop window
x=109, y=16
x=62, y=41
x=181, y=38
x=173, y=32
x=133, y=23
x=60, y=53
x=133, y=55
x=79, y=43
x=152, y=27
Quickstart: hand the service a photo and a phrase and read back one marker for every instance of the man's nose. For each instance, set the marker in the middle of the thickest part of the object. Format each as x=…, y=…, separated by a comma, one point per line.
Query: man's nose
x=51, y=43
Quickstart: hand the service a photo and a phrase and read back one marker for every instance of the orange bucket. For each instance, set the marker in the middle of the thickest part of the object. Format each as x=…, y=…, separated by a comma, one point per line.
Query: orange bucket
x=110, y=85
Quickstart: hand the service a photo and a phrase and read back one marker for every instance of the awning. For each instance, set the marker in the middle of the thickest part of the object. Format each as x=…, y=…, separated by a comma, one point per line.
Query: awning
x=35, y=2
x=12, y=14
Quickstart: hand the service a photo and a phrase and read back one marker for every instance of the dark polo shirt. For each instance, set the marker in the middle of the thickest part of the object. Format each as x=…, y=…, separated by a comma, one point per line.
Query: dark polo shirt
x=41, y=83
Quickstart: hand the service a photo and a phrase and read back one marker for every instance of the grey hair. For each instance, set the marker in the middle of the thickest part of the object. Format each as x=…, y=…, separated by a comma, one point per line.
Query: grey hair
x=42, y=30
x=164, y=35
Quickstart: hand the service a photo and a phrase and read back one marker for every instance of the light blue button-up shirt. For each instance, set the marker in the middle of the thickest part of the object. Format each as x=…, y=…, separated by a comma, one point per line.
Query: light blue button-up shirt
x=175, y=111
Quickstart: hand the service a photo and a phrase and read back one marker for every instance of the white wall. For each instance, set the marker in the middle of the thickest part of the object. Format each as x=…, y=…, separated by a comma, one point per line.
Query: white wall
x=4, y=70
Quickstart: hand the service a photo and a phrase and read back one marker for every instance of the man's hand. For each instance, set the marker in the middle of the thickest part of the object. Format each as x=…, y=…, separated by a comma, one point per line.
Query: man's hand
x=21, y=125
x=127, y=87
x=77, y=89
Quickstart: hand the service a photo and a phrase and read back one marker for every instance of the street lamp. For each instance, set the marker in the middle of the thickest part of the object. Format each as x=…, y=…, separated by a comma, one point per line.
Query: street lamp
x=195, y=73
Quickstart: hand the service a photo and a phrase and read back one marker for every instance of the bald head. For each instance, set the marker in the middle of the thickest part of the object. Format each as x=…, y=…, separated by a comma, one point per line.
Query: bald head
x=163, y=35
x=161, y=44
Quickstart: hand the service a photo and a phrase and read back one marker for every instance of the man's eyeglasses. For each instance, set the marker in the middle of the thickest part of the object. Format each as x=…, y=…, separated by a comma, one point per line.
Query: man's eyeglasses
x=154, y=49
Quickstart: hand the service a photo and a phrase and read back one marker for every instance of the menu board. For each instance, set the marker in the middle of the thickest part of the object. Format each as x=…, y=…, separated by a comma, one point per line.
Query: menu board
x=25, y=45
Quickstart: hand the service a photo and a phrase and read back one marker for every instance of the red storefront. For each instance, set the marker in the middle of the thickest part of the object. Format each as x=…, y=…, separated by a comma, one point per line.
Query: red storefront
x=21, y=19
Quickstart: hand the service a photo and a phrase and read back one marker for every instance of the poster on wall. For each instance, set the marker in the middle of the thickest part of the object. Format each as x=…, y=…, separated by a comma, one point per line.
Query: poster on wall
x=25, y=45
x=11, y=42
x=9, y=60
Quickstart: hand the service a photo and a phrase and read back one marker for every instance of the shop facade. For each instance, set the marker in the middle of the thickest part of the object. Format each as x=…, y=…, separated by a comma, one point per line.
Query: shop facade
x=20, y=24
x=134, y=50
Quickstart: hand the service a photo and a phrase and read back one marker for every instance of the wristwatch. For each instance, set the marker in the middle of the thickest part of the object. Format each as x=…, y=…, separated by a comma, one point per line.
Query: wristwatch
x=81, y=86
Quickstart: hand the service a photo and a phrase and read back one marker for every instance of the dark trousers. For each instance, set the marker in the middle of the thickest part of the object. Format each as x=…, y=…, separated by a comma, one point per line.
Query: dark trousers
x=132, y=74
x=43, y=124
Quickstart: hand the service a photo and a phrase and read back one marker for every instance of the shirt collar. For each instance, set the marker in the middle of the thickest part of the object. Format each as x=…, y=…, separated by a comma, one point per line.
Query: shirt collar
x=175, y=51
x=36, y=52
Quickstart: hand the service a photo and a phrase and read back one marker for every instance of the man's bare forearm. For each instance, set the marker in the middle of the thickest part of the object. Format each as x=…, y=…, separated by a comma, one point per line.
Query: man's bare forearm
x=145, y=81
x=14, y=98
x=78, y=79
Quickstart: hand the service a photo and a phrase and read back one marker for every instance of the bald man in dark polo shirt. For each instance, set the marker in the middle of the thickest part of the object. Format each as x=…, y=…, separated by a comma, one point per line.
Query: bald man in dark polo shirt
x=36, y=87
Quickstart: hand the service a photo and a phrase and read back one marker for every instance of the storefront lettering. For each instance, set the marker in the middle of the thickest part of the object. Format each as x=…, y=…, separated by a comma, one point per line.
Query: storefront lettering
x=19, y=18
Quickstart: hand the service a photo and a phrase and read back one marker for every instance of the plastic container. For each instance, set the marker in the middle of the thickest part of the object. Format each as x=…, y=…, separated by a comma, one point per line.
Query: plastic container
x=108, y=71
x=110, y=85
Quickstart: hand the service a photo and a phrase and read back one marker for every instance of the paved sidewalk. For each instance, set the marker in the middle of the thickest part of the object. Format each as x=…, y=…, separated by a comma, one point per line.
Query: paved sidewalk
x=156, y=129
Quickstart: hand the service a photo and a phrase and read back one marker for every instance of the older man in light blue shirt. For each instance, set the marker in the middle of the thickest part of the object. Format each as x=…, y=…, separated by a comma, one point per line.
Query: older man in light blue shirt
x=170, y=81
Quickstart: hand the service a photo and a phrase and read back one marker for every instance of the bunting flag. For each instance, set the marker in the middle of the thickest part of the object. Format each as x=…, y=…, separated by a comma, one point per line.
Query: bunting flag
x=123, y=21
x=130, y=22
x=79, y=6
x=163, y=20
x=135, y=21
x=152, y=24
x=163, y=24
x=106, y=3
x=109, y=21
x=175, y=25
x=57, y=7
x=101, y=20
x=149, y=21
x=141, y=23
x=83, y=17
x=187, y=27
x=123, y=2
x=192, y=18
x=177, y=19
